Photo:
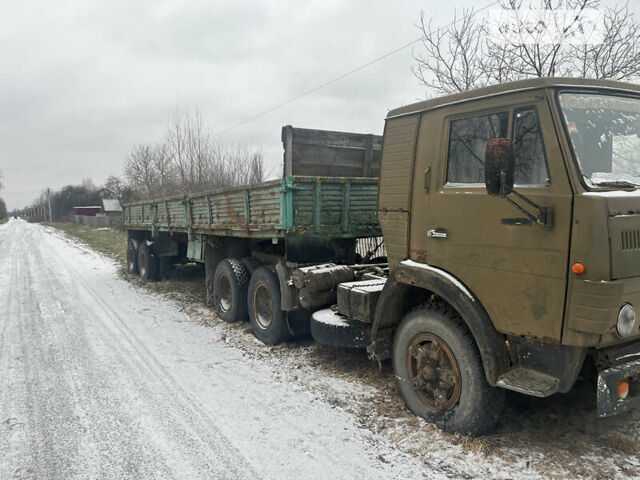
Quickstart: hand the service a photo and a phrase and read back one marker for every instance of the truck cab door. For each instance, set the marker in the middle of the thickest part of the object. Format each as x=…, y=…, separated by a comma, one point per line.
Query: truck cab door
x=517, y=269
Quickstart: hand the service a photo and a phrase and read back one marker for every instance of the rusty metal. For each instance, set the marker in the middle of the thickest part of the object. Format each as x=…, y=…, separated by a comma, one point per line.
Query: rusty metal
x=434, y=372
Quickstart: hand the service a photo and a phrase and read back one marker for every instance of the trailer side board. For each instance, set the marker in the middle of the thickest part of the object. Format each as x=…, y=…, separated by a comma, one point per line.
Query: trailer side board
x=340, y=207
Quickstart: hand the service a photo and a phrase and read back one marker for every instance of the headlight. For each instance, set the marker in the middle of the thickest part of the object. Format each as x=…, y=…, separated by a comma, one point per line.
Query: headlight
x=626, y=320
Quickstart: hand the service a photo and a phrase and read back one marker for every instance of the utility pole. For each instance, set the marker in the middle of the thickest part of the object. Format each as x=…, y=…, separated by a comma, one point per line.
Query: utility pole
x=49, y=201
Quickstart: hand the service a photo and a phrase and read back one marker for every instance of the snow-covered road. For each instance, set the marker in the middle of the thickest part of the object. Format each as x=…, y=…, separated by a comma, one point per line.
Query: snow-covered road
x=99, y=379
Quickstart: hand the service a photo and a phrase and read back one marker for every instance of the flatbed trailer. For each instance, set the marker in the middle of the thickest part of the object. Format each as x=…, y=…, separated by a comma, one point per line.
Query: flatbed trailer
x=322, y=210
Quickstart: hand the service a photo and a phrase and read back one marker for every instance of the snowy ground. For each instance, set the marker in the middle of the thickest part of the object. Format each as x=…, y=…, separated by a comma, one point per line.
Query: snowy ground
x=101, y=379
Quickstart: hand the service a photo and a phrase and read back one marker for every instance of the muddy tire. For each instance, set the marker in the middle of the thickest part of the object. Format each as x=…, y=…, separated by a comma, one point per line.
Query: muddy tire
x=268, y=321
x=147, y=262
x=132, y=256
x=439, y=372
x=230, y=290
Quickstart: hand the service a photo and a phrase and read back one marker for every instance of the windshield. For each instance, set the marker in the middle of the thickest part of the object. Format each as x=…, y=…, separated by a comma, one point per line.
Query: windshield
x=604, y=132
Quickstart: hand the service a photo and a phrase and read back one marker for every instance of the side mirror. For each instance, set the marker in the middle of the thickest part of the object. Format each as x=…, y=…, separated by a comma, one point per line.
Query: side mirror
x=499, y=166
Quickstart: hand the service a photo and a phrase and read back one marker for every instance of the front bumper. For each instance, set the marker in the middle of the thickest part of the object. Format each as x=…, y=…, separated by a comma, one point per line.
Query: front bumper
x=609, y=401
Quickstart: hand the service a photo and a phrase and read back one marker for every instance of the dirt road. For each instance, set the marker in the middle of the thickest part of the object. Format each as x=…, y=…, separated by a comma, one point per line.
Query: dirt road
x=99, y=380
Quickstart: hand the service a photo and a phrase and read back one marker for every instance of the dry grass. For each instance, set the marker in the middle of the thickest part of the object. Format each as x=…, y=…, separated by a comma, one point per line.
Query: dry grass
x=107, y=241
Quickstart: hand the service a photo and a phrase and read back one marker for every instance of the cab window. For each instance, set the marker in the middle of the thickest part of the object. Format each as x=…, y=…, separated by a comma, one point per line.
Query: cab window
x=468, y=139
x=528, y=149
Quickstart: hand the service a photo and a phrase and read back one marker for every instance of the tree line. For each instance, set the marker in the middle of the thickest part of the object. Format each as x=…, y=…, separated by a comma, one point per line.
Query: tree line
x=187, y=159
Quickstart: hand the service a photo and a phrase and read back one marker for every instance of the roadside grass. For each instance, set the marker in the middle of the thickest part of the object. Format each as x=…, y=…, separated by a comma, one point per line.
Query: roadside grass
x=108, y=241
x=4, y=220
x=185, y=283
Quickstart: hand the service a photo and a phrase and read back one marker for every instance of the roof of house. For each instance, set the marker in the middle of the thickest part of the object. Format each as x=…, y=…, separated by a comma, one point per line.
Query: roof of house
x=511, y=87
x=111, y=205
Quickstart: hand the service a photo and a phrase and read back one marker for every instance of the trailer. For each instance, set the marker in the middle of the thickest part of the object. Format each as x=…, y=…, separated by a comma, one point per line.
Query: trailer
x=251, y=238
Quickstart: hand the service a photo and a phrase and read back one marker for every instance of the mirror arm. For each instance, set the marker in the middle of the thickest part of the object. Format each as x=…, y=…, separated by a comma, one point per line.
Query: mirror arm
x=544, y=213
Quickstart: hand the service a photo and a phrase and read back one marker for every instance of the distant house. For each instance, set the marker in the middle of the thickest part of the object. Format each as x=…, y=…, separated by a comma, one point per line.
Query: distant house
x=107, y=214
x=113, y=210
x=90, y=215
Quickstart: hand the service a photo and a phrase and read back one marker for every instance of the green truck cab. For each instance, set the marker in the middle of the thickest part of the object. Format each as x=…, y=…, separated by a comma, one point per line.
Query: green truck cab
x=511, y=220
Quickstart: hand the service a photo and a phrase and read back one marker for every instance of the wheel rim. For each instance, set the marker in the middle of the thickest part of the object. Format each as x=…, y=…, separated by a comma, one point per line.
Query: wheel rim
x=225, y=294
x=434, y=372
x=142, y=263
x=263, y=306
x=130, y=259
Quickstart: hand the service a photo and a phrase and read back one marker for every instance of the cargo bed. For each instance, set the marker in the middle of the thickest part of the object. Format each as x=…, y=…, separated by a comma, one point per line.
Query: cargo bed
x=336, y=207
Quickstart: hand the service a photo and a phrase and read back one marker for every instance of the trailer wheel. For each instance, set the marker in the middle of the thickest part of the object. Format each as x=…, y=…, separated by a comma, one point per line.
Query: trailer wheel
x=268, y=321
x=230, y=290
x=132, y=256
x=439, y=372
x=147, y=262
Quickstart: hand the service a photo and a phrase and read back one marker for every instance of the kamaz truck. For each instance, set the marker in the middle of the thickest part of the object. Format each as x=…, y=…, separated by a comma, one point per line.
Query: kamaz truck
x=488, y=241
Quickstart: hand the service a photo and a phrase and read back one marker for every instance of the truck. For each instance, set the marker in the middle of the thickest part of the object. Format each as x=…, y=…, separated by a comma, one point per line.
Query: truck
x=488, y=241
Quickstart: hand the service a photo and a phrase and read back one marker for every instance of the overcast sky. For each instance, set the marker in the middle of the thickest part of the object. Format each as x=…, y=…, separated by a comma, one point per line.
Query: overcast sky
x=82, y=81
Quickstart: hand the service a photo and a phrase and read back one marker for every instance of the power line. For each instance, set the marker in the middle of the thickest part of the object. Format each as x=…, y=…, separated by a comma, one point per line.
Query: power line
x=340, y=77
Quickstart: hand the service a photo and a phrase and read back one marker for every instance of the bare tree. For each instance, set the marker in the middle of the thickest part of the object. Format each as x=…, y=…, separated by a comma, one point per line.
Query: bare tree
x=139, y=169
x=539, y=59
x=618, y=56
x=164, y=169
x=190, y=160
x=188, y=144
x=463, y=55
x=453, y=58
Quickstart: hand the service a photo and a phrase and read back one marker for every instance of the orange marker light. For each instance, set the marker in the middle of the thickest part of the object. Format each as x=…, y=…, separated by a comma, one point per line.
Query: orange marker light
x=578, y=268
x=623, y=389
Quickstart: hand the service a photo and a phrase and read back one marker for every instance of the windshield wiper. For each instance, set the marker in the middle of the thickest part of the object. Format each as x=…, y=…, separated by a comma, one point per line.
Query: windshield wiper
x=618, y=184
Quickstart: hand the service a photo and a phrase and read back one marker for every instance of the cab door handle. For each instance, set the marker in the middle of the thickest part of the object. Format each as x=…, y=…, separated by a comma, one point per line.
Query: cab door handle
x=427, y=179
x=437, y=233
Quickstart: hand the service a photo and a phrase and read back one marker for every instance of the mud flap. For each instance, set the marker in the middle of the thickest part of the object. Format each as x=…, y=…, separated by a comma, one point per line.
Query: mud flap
x=609, y=401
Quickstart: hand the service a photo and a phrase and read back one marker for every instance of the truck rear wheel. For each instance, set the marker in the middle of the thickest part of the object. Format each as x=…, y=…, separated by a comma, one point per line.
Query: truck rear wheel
x=147, y=262
x=440, y=374
x=230, y=290
x=132, y=256
x=268, y=321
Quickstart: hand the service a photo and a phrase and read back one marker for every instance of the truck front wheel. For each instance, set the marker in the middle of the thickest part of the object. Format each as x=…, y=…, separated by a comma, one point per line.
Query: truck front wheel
x=440, y=374
x=268, y=321
x=230, y=290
